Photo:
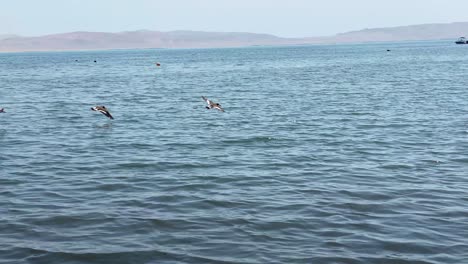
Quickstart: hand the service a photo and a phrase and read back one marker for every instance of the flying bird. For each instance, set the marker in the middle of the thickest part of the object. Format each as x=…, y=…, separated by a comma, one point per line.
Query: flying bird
x=212, y=105
x=103, y=110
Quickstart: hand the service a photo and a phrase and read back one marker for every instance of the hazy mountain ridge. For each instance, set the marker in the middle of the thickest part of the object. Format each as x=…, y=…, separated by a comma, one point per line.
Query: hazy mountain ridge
x=137, y=39
x=414, y=32
x=198, y=39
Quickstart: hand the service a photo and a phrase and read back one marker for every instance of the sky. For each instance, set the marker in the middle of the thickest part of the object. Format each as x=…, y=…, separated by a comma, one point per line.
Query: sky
x=285, y=18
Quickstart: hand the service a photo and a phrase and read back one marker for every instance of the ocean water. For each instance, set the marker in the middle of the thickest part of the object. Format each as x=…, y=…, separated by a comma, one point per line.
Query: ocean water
x=324, y=154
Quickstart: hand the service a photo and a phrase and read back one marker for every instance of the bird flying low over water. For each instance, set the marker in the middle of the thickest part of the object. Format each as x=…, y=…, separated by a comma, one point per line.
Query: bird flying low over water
x=212, y=105
x=2, y=110
x=103, y=110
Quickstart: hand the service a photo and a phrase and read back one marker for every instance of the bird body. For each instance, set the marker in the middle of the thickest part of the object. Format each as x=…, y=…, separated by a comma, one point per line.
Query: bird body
x=2, y=110
x=212, y=105
x=103, y=110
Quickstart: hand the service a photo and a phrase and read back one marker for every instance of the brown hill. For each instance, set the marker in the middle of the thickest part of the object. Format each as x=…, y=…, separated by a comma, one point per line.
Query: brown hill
x=406, y=33
x=136, y=39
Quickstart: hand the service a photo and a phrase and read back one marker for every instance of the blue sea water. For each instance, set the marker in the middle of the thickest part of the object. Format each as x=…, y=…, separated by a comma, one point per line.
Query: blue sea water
x=324, y=154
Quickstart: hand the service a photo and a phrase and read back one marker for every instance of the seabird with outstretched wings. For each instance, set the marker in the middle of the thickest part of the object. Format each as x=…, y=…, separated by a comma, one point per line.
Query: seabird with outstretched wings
x=212, y=105
x=103, y=110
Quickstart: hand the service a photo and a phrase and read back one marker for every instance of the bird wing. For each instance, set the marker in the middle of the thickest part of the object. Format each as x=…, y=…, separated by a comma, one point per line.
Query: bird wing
x=219, y=108
x=207, y=100
x=106, y=113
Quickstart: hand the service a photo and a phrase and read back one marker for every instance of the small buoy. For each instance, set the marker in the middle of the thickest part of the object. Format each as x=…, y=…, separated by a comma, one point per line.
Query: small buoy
x=158, y=64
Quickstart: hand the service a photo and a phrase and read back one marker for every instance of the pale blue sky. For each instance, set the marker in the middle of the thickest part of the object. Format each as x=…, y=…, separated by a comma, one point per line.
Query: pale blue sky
x=287, y=18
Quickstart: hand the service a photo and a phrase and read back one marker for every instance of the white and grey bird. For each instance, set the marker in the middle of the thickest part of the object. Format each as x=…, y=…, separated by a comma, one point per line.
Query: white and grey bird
x=212, y=105
x=103, y=110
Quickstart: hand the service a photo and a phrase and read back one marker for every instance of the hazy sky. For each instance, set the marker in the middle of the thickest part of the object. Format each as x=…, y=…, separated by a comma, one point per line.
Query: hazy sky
x=287, y=18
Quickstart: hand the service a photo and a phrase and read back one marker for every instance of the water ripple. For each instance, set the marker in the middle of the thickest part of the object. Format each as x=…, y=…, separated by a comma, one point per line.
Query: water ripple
x=325, y=154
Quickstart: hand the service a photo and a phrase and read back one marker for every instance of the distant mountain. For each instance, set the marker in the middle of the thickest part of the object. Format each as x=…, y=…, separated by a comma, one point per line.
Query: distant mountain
x=137, y=39
x=450, y=31
x=197, y=39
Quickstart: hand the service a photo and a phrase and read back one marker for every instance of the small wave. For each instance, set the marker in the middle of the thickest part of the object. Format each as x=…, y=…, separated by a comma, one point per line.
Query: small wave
x=162, y=165
x=253, y=140
x=153, y=255
x=41, y=255
x=396, y=166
